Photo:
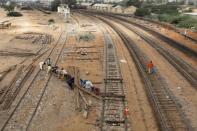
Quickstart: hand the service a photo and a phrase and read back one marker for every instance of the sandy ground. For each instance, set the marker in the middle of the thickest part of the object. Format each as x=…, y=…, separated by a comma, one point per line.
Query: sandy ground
x=58, y=107
x=141, y=114
x=30, y=22
x=57, y=110
x=171, y=34
x=187, y=95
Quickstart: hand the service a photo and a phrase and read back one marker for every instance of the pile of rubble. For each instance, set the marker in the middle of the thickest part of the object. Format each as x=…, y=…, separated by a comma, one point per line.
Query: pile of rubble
x=36, y=38
x=86, y=37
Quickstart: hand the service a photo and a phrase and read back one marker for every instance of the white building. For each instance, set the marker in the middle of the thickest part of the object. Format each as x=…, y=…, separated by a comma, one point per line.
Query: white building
x=64, y=9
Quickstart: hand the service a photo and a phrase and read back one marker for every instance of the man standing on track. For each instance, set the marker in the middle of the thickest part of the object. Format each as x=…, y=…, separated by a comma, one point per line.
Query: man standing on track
x=150, y=67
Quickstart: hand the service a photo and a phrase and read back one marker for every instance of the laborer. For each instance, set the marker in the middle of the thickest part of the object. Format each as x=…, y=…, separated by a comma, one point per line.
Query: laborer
x=59, y=70
x=185, y=33
x=83, y=82
x=126, y=112
x=48, y=62
x=49, y=69
x=70, y=82
x=60, y=73
x=150, y=67
x=96, y=90
x=64, y=73
x=41, y=64
x=55, y=69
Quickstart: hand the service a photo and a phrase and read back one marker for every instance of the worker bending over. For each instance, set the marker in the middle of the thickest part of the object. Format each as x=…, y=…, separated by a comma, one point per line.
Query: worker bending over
x=41, y=64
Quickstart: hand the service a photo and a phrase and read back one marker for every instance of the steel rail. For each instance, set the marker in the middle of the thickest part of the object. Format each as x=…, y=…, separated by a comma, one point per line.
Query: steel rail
x=180, y=46
x=29, y=86
x=155, y=93
x=56, y=61
x=183, y=67
x=112, y=115
x=180, y=65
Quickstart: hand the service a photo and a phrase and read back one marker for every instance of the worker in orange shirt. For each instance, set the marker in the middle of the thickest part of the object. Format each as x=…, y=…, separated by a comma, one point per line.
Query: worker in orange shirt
x=126, y=112
x=150, y=67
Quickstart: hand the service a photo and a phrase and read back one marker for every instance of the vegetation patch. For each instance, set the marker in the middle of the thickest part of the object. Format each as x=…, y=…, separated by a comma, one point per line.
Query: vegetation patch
x=86, y=37
x=142, y=12
x=168, y=13
x=163, y=9
x=51, y=21
x=184, y=21
x=14, y=14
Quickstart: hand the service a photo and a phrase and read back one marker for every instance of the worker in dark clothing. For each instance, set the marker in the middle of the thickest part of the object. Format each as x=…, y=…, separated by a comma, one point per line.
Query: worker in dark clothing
x=70, y=81
x=54, y=69
x=48, y=62
x=95, y=90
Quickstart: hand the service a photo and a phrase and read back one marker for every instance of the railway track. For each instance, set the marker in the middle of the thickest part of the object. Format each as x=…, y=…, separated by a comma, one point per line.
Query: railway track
x=167, y=111
x=158, y=23
x=183, y=67
x=189, y=72
x=13, y=88
x=112, y=116
x=180, y=46
x=21, y=115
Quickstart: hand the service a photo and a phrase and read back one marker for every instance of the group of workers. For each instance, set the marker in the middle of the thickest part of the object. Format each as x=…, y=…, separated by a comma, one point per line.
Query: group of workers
x=61, y=73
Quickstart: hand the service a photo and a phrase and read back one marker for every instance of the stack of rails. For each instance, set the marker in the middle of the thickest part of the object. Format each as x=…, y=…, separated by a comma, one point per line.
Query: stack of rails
x=112, y=117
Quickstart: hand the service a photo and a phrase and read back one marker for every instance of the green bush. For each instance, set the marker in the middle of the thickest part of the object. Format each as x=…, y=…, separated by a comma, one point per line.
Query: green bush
x=188, y=10
x=142, y=12
x=9, y=8
x=184, y=21
x=55, y=4
x=163, y=9
x=178, y=19
x=136, y=3
x=15, y=14
x=51, y=21
x=165, y=18
x=188, y=23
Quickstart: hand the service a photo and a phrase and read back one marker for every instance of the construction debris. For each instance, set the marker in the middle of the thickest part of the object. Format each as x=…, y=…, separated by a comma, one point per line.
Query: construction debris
x=86, y=37
x=18, y=54
x=36, y=38
x=85, y=25
x=5, y=24
x=5, y=72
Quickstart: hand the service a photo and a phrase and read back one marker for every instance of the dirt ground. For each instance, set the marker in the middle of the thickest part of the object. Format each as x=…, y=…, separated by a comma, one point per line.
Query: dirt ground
x=57, y=110
x=187, y=95
x=171, y=33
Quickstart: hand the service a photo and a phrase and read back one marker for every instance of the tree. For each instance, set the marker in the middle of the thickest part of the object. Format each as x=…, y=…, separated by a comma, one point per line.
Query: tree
x=54, y=5
x=136, y=3
x=9, y=7
x=70, y=3
x=142, y=12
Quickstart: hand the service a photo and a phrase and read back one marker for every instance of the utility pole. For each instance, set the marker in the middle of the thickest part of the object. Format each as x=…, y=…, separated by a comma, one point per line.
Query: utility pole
x=186, y=2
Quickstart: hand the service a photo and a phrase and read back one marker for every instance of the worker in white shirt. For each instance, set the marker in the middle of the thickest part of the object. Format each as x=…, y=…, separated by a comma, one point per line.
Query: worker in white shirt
x=49, y=69
x=41, y=64
x=63, y=73
x=88, y=85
